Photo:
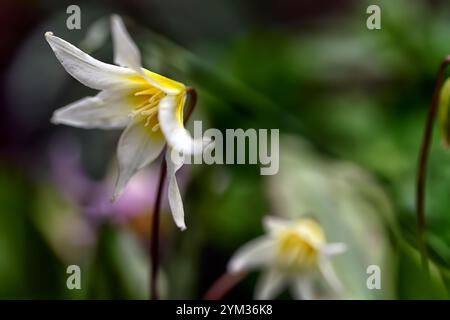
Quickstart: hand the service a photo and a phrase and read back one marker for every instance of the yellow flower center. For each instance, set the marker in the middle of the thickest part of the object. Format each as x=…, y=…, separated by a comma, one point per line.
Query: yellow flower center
x=145, y=98
x=298, y=246
x=146, y=106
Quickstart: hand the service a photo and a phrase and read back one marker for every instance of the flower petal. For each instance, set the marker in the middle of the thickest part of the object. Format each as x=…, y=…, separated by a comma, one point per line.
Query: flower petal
x=332, y=249
x=175, y=200
x=303, y=289
x=137, y=147
x=328, y=273
x=168, y=86
x=269, y=285
x=126, y=53
x=170, y=116
x=252, y=254
x=107, y=110
x=89, y=71
x=275, y=224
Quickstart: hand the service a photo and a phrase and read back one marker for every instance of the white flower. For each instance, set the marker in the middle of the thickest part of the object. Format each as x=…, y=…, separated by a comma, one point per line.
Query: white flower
x=292, y=253
x=149, y=106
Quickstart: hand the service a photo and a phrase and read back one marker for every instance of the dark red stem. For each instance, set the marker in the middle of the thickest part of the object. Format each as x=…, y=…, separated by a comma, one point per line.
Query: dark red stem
x=423, y=159
x=223, y=285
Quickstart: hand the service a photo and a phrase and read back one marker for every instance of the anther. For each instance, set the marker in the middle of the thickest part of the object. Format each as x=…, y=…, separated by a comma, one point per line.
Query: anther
x=155, y=127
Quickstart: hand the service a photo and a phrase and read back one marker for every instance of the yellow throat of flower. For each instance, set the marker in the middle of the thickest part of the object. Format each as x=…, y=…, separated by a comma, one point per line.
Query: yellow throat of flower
x=298, y=245
x=145, y=106
x=144, y=99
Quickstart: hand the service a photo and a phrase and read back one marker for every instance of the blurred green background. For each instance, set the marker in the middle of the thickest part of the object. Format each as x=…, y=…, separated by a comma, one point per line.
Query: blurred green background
x=350, y=104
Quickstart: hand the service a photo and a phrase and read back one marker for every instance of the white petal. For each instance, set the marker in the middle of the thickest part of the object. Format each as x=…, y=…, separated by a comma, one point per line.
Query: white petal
x=252, y=254
x=176, y=135
x=175, y=201
x=107, y=110
x=303, y=289
x=269, y=285
x=137, y=147
x=126, y=53
x=328, y=273
x=89, y=71
x=274, y=224
x=333, y=249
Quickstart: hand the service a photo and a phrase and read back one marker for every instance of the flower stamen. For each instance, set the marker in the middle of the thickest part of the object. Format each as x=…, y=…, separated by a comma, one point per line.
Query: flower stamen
x=149, y=107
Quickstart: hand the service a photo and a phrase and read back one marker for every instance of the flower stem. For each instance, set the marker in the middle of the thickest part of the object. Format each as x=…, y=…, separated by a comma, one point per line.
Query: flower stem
x=223, y=285
x=154, y=246
x=423, y=159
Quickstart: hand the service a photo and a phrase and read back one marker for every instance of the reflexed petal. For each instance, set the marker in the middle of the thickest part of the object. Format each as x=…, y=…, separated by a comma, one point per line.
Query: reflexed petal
x=126, y=53
x=137, y=147
x=170, y=115
x=107, y=110
x=269, y=285
x=175, y=201
x=253, y=254
x=333, y=249
x=328, y=273
x=89, y=71
x=303, y=289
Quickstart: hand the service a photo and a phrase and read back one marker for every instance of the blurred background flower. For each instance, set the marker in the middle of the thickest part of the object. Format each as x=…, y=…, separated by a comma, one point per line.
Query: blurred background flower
x=350, y=104
x=293, y=253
